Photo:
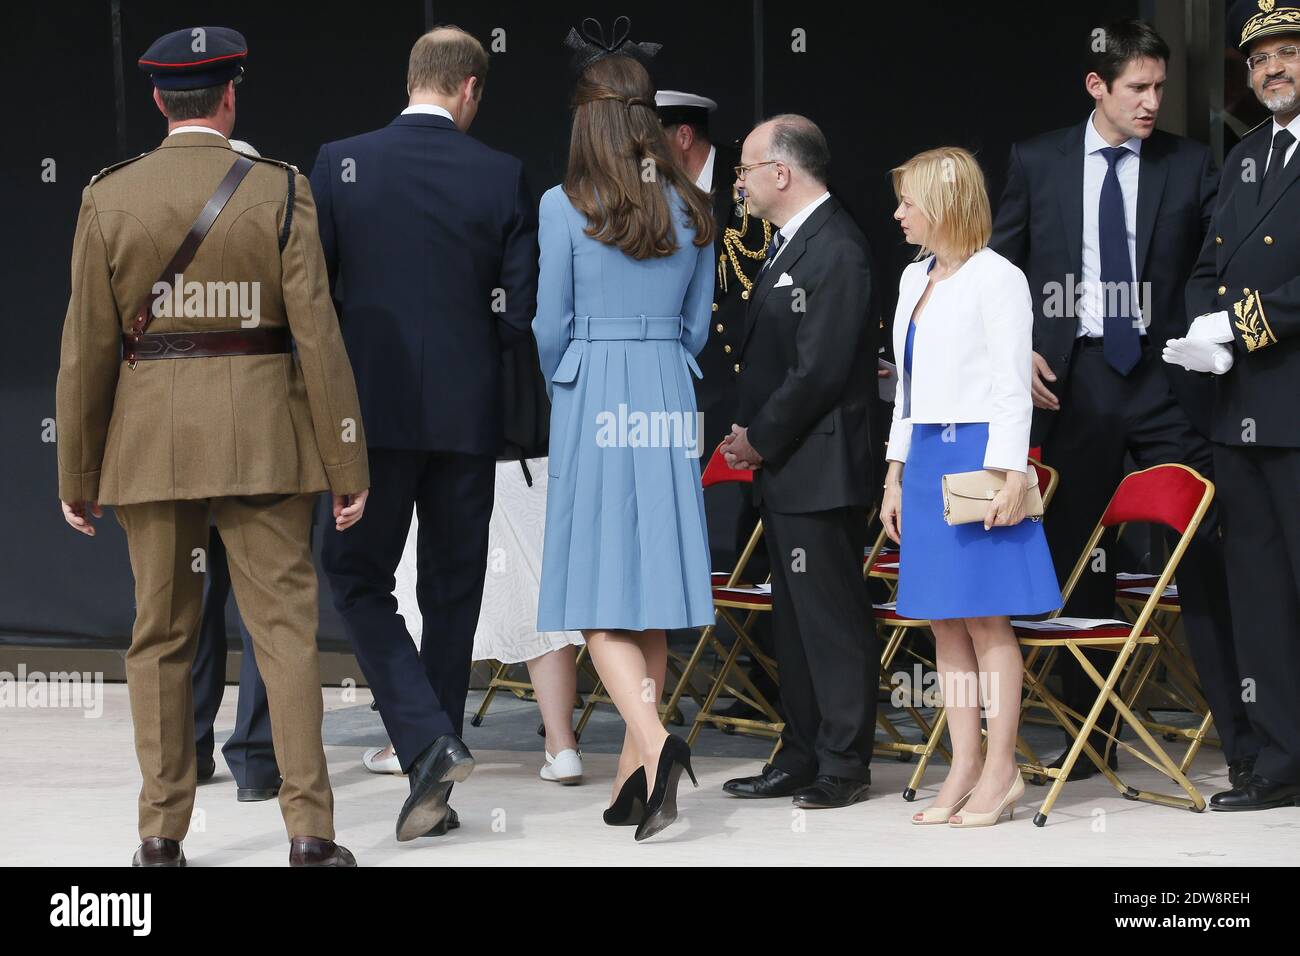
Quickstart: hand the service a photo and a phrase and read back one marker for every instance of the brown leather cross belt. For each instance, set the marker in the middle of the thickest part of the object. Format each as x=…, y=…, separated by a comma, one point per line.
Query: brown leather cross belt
x=172, y=345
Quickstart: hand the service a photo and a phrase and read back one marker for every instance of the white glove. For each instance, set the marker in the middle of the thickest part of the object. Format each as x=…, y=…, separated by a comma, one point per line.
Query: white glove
x=1211, y=327
x=1198, y=355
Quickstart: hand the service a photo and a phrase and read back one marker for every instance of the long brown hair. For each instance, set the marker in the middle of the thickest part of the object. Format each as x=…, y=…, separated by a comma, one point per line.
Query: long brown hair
x=619, y=159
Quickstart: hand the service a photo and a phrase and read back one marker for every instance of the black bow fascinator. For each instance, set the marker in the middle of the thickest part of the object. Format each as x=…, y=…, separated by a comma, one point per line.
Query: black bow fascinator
x=589, y=45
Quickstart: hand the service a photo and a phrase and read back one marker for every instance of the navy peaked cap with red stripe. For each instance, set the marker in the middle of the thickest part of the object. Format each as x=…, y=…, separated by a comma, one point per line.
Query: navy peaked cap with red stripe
x=196, y=57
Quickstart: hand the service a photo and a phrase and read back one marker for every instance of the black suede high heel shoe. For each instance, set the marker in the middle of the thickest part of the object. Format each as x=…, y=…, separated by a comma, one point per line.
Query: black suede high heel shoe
x=661, y=808
x=629, y=807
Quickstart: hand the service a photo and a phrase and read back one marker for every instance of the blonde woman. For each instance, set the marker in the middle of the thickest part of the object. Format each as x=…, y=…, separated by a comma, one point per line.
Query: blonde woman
x=962, y=335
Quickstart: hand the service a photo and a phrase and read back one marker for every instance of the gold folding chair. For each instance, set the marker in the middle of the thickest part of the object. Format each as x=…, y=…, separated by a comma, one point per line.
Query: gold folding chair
x=503, y=679
x=737, y=602
x=1180, y=687
x=1171, y=495
x=882, y=562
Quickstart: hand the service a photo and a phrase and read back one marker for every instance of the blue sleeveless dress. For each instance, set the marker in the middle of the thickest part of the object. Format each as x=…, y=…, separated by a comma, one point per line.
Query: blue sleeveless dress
x=951, y=571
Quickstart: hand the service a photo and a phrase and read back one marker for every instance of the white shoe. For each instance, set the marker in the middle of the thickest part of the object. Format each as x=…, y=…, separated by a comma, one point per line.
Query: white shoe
x=564, y=768
x=377, y=764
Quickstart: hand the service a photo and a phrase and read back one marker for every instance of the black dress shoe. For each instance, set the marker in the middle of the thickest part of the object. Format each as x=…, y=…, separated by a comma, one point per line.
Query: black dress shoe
x=207, y=767
x=1257, y=793
x=629, y=807
x=770, y=783
x=450, y=822
x=444, y=762
x=313, y=851
x=254, y=794
x=1083, y=767
x=158, y=851
x=829, y=793
x=1240, y=770
x=661, y=804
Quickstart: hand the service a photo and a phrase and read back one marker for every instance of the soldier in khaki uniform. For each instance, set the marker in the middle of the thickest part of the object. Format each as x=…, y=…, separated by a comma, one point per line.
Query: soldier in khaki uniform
x=207, y=407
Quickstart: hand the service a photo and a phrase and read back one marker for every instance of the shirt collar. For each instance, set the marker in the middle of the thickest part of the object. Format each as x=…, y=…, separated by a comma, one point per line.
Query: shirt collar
x=705, y=179
x=798, y=219
x=428, y=108
x=1292, y=127
x=1092, y=141
x=195, y=129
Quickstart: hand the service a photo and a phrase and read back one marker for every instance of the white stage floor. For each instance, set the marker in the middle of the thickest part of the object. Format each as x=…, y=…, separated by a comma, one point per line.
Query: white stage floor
x=68, y=797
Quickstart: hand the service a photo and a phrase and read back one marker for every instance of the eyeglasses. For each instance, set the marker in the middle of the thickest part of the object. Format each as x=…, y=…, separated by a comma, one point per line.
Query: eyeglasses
x=741, y=170
x=1284, y=54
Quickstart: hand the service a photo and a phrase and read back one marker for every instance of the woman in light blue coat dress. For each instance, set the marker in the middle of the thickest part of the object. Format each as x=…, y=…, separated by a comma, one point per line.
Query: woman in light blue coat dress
x=623, y=305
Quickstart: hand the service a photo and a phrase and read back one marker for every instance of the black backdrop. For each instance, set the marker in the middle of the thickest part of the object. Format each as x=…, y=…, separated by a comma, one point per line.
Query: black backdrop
x=883, y=80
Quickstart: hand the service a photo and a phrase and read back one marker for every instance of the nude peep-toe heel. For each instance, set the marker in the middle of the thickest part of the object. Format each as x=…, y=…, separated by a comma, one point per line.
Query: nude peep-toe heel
x=932, y=815
x=988, y=819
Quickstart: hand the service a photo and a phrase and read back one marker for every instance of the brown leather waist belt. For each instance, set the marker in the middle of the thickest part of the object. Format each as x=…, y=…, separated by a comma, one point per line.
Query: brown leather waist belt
x=173, y=345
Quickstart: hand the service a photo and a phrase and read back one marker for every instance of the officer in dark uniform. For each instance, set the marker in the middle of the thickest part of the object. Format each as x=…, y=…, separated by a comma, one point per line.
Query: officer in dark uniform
x=1245, y=296
x=741, y=247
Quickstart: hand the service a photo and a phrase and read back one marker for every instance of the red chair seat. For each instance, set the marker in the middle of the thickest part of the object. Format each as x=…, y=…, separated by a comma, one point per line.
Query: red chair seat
x=719, y=579
x=744, y=594
x=1132, y=593
x=1145, y=581
x=883, y=612
x=1074, y=633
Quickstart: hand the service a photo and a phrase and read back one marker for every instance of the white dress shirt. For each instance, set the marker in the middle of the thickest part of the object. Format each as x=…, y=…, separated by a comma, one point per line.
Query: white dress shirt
x=1293, y=128
x=195, y=129
x=429, y=108
x=705, y=179
x=794, y=222
x=971, y=356
x=1091, y=301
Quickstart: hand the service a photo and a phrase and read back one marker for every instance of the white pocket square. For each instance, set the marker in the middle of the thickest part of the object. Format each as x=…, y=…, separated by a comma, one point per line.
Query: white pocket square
x=785, y=280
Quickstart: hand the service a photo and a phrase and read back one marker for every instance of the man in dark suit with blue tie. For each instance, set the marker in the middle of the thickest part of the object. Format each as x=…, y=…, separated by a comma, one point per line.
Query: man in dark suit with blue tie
x=431, y=242
x=1106, y=219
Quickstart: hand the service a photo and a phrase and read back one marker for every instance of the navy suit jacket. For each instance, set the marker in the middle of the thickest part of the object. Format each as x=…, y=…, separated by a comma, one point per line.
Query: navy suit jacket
x=1039, y=227
x=430, y=239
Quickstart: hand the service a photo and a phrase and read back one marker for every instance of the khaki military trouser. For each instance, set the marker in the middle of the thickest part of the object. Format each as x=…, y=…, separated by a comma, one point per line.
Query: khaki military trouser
x=267, y=539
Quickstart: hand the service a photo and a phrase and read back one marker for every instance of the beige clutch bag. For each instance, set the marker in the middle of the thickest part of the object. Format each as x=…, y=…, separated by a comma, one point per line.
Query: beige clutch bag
x=966, y=495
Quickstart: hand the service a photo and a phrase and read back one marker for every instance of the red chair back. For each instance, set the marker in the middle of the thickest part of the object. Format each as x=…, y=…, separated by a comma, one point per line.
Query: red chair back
x=1166, y=494
x=1044, y=476
x=717, y=471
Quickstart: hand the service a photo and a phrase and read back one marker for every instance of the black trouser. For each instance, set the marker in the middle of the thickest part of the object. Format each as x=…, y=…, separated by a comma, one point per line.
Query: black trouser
x=1103, y=416
x=249, y=752
x=421, y=696
x=827, y=648
x=1259, y=496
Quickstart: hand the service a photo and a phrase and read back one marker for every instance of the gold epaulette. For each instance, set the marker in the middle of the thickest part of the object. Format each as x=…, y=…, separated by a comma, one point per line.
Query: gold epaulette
x=274, y=162
x=108, y=169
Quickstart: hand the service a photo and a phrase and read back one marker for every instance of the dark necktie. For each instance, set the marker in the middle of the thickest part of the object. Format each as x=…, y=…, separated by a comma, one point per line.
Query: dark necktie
x=1120, y=344
x=772, y=248
x=1282, y=140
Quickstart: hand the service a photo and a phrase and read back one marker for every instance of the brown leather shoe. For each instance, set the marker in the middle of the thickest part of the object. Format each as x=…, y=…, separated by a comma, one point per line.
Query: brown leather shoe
x=158, y=851
x=313, y=851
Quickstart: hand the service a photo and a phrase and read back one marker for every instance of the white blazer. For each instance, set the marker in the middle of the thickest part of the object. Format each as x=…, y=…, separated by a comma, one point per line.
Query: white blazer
x=972, y=356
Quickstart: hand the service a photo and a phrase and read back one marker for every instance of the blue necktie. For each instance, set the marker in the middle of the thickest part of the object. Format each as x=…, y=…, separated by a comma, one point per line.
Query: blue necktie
x=1120, y=344
x=772, y=248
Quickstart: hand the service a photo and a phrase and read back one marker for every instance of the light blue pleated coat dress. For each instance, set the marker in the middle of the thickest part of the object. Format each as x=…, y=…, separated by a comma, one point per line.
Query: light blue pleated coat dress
x=625, y=543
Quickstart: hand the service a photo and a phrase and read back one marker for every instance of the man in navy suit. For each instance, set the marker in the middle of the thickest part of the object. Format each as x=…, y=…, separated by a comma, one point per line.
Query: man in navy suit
x=430, y=238
x=1106, y=218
